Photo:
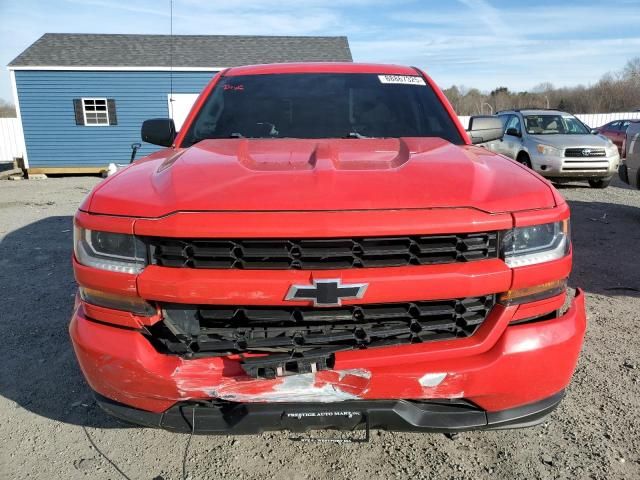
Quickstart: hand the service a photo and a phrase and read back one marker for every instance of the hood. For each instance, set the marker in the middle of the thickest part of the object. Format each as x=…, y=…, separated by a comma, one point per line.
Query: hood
x=307, y=175
x=572, y=141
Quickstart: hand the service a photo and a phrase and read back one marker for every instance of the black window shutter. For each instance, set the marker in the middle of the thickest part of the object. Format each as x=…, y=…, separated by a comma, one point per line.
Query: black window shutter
x=77, y=108
x=111, y=107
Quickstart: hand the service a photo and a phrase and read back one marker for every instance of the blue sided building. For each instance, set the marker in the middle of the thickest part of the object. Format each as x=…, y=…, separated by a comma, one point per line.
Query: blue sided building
x=81, y=98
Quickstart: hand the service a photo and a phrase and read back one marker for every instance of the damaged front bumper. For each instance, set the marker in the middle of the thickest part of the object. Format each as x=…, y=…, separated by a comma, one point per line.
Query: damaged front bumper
x=501, y=368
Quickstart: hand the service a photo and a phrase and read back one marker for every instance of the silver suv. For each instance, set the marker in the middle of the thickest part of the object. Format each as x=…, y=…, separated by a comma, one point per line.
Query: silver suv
x=557, y=145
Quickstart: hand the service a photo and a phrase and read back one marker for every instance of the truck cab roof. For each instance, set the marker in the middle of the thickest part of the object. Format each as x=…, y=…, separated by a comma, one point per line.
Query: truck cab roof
x=322, y=67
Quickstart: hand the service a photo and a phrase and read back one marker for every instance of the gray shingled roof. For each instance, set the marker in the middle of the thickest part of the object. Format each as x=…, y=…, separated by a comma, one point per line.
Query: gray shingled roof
x=105, y=50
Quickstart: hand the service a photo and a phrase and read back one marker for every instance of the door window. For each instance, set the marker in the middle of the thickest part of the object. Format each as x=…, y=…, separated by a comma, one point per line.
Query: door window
x=504, y=119
x=513, y=122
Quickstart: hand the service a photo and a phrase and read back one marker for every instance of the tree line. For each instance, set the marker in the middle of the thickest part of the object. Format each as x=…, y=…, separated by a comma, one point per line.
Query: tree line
x=6, y=109
x=614, y=92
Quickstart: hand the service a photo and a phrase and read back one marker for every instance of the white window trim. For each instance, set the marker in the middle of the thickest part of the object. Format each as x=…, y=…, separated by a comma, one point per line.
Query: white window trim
x=84, y=112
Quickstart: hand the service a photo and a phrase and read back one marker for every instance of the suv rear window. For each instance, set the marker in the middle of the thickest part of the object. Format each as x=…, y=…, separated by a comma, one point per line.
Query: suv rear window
x=322, y=105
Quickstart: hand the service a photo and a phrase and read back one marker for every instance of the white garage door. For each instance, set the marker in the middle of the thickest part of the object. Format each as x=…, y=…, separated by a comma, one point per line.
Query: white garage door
x=180, y=106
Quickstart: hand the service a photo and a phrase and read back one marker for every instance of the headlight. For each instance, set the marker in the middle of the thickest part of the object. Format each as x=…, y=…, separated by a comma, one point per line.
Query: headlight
x=548, y=150
x=536, y=244
x=116, y=252
x=611, y=150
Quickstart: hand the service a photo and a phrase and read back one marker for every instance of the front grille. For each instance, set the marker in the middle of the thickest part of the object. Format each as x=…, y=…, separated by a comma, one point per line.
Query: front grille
x=329, y=253
x=221, y=330
x=585, y=152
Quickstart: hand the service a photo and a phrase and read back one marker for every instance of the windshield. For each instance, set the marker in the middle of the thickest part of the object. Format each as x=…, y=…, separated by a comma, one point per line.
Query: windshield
x=322, y=105
x=554, y=125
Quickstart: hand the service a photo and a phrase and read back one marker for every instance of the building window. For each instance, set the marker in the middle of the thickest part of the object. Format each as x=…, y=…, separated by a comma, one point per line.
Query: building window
x=95, y=111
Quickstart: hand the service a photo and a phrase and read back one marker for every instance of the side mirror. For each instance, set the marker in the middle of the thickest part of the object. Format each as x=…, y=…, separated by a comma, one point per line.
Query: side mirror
x=595, y=131
x=159, y=131
x=514, y=132
x=485, y=128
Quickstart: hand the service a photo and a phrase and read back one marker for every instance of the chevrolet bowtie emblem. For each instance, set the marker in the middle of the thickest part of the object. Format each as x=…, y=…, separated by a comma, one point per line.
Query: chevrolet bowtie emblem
x=326, y=292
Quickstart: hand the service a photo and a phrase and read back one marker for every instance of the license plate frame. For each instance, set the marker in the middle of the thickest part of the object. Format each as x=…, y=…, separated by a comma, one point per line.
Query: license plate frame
x=346, y=420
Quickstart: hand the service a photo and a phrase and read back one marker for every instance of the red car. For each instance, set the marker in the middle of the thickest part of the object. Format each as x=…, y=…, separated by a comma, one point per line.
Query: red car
x=321, y=246
x=616, y=131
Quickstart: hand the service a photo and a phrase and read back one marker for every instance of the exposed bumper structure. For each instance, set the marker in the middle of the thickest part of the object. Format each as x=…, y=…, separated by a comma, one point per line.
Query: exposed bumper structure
x=501, y=367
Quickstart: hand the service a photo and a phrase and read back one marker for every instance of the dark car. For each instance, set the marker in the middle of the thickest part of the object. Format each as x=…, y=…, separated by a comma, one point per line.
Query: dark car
x=629, y=170
x=616, y=131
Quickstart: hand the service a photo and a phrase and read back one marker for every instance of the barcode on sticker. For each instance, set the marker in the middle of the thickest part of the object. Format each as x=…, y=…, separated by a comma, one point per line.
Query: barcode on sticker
x=402, y=79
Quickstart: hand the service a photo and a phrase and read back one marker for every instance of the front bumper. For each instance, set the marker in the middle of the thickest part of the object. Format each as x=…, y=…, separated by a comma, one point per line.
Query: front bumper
x=568, y=167
x=500, y=367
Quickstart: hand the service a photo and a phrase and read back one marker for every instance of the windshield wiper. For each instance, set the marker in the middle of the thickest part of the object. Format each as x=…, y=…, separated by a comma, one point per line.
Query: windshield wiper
x=200, y=139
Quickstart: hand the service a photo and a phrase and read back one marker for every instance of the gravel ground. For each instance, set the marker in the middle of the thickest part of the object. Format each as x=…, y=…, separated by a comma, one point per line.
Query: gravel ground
x=50, y=428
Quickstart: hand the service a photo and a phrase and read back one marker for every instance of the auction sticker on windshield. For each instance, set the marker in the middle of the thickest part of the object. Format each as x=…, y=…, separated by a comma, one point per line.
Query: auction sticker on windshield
x=402, y=79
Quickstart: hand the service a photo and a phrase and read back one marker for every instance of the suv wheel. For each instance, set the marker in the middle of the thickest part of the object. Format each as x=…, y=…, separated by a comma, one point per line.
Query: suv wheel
x=524, y=159
x=599, y=182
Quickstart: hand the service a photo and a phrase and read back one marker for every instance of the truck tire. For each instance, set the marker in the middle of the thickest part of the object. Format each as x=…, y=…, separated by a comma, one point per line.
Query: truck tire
x=524, y=159
x=623, y=173
x=599, y=182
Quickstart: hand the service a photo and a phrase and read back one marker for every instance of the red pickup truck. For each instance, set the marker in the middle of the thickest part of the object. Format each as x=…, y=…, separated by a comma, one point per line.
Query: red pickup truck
x=322, y=246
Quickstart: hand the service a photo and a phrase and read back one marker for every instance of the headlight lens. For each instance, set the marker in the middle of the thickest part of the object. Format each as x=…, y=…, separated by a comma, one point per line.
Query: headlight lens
x=548, y=150
x=611, y=150
x=116, y=252
x=536, y=244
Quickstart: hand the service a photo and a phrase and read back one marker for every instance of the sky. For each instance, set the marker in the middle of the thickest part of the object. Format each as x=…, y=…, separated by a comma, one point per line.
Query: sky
x=475, y=43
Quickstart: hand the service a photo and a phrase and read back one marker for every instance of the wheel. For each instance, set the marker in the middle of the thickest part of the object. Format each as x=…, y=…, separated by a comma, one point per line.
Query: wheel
x=524, y=159
x=599, y=182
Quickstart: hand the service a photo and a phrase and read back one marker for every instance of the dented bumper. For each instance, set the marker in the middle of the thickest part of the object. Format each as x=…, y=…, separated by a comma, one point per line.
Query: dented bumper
x=501, y=367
